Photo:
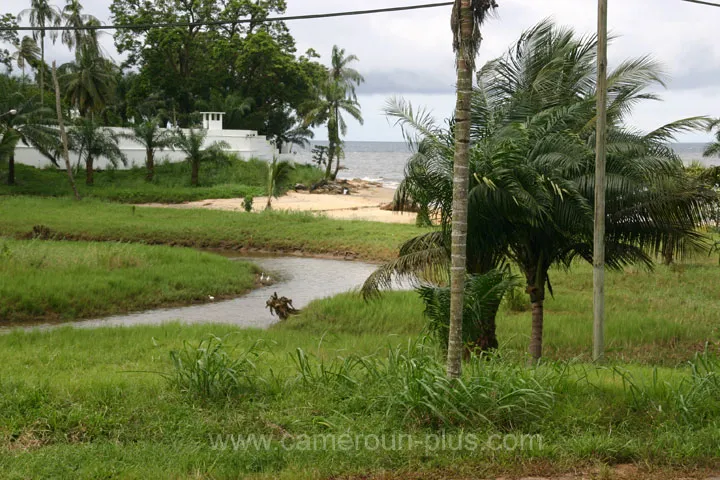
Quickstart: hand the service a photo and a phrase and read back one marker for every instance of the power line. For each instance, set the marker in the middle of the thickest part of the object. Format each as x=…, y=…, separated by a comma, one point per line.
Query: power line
x=146, y=26
x=701, y=2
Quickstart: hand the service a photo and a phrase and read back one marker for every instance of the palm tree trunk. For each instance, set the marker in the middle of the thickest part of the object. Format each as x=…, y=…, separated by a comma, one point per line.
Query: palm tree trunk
x=90, y=170
x=195, y=173
x=536, y=290
x=42, y=68
x=11, y=169
x=331, y=153
x=150, y=165
x=63, y=133
x=458, y=252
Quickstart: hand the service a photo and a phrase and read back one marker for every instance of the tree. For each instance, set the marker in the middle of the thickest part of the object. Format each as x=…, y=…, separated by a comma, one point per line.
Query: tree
x=192, y=144
x=467, y=18
x=92, y=141
x=42, y=15
x=8, y=36
x=342, y=74
x=80, y=37
x=27, y=53
x=150, y=135
x=328, y=109
x=531, y=163
x=278, y=173
x=89, y=82
x=31, y=124
x=713, y=149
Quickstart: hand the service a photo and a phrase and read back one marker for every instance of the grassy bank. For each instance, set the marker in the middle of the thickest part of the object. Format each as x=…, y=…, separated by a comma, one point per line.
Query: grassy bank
x=365, y=378
x=95, y=220
x=53, y=281
x=229, y=178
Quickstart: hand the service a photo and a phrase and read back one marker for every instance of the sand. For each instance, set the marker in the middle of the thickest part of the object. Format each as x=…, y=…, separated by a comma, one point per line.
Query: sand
x=363, y=203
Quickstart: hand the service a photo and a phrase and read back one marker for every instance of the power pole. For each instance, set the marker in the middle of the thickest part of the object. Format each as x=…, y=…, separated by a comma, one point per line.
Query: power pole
x=600, y=185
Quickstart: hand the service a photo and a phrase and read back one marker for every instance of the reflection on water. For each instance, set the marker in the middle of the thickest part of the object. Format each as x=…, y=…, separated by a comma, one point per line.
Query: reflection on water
x=302, y=280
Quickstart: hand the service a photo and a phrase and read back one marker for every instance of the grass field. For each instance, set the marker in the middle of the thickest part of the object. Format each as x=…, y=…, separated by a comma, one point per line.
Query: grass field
x=96, y=220
x=54, y=281
x=325, y=377
x=230, y=178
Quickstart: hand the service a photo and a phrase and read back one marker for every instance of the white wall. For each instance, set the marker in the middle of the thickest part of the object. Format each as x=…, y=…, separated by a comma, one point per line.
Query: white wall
x=244, y=143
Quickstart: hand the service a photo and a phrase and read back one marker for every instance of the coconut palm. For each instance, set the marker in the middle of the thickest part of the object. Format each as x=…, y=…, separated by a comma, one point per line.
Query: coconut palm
x=27, y=53
x=531, y=188
x=192, y=144
x=91, y=142
x=466, y=21
x=89, y=82
x=278, y=173
x=80, y=36
x=328, y=109
x=150, y=135
x=30, y=123
x=342, y=74
x=42, y=15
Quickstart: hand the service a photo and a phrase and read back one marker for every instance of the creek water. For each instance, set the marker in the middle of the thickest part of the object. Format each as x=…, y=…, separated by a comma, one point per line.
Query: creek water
x=301, y=279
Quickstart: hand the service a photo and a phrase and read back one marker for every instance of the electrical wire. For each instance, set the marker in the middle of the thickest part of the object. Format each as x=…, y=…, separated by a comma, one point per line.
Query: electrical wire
x=702, y=2
x=147, y=26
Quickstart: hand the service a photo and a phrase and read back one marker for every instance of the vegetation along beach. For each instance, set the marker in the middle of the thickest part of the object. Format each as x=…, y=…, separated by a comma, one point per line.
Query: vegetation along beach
x=276, y=239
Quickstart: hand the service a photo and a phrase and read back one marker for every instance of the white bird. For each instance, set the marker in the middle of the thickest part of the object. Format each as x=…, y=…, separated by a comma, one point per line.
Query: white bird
x=211, y=297
x=262, y=277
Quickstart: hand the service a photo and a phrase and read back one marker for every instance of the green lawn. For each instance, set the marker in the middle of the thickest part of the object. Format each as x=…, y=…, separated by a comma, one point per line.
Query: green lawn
x=229, y=178
x=55, y=281
x=276, y=231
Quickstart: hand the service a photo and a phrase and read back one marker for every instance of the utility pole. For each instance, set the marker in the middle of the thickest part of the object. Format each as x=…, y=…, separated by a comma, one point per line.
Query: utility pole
x=600, y=185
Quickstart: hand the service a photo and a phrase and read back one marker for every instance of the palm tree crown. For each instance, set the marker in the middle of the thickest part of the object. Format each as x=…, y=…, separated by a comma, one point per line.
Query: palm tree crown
x=150, y=135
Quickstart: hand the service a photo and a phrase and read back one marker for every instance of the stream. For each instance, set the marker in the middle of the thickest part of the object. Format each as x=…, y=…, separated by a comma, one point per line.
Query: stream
x=301, y=279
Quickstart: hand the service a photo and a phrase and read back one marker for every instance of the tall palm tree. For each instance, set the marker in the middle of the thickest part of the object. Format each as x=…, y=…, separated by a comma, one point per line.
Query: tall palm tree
x=80, y=37
x=42, y=15
x=150, y=135
x=342, y=74
x=467, y=18
x=88, y=82
x=532, y=170
x=31, y=124
x=27, y=53
x=191, y=143
x=328, y=109
x=91, y=142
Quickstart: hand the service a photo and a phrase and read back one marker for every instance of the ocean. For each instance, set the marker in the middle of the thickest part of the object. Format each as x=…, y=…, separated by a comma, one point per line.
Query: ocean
x=384, y=162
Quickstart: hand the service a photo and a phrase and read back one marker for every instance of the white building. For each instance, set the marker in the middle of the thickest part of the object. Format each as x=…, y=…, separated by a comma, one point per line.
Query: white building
x=244, y=143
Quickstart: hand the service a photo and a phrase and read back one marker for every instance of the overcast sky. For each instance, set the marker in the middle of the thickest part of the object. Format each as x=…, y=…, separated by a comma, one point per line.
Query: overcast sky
x=410, y=53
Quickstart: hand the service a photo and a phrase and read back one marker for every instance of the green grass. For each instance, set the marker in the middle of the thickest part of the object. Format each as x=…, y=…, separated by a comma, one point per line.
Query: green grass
x=54, y=281
x=228, y=178
x=81, y=404
x=276, y=231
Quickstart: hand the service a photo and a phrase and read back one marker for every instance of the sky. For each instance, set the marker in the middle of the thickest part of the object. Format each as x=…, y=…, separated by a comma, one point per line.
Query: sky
x=409, y=54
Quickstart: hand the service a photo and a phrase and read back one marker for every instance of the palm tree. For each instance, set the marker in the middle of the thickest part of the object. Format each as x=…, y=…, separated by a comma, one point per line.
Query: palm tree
x=92, y=141
x=713, y=149
x=192, y=144
x=150, y=135
x=332, y=101
x=532, y=170
x=278, y=173
x=88, y=82
x=467, y=18
x=80, y=37
x=26, y=54
x=342, y=74
x=31, y=123
x=42, y=15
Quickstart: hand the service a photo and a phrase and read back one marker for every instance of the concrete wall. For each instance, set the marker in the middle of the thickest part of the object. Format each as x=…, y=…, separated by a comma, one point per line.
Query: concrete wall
x=244, y=143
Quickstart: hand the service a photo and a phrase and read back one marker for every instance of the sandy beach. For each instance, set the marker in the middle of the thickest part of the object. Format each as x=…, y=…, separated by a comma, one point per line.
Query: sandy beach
x=364, y=202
